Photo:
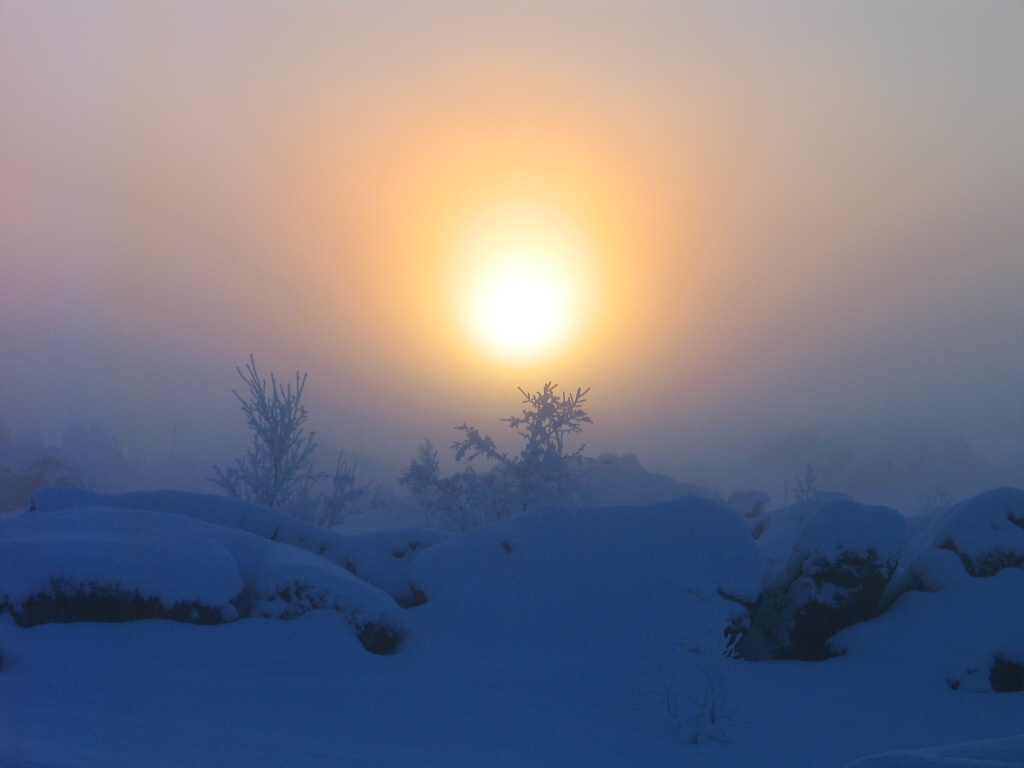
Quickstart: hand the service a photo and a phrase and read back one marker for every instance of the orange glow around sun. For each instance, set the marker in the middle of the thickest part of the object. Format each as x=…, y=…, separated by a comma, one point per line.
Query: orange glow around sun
x=514, y=258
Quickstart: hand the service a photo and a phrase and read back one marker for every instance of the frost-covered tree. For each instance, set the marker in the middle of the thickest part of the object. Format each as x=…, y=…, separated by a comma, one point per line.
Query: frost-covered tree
x=277, y=470
x=805, y=487
x=451, y=502
x=543, y=471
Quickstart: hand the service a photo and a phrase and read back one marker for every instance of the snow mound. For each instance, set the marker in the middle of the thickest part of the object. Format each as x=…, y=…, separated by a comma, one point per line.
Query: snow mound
x=262, y=521
x=383, y=558
x=929, y=571
x=160, y=557
x=580, y=581
x=992, y=753
x=841, y=561
x=116, y=564
x=370, y=555
x=776, y=532
x=986, y=531
x=953, y=638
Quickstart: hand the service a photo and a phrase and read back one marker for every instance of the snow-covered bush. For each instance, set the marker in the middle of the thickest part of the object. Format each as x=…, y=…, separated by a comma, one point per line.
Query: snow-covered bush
x=931, y=570
x=116, y=563
x=104, y=565
x=986, y=531
x=381, y=558
x=840, y=564
x=277, y=470
x=543, y=472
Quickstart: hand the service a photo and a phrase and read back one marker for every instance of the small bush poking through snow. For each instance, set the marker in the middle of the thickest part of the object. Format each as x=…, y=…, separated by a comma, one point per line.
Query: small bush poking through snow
x=67, y=601
x=696, y=692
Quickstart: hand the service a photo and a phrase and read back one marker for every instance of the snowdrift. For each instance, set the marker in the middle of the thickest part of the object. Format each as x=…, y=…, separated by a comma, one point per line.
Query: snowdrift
x=606, y=580
x=991, y=753
x=381, y=558
x=563, y=636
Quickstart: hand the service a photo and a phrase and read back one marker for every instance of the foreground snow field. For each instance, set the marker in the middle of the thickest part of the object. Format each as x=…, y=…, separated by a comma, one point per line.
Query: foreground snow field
x=562, y=637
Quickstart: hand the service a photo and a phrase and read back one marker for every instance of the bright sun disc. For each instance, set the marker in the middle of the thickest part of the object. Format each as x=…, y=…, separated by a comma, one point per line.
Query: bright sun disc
x=522, y=307
x=521, y=276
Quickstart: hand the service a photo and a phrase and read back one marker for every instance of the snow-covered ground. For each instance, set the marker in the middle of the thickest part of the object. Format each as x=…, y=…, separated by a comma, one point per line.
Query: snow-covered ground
x=589, y=636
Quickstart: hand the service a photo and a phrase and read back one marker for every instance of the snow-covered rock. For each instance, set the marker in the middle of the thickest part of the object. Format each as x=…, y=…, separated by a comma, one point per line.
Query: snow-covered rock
x=841, y=561
x=930, y=570
x=986, y=531
x=777, y=531
x=47, y=562
x=376, y=557
x=99, y=563
x=949, y=638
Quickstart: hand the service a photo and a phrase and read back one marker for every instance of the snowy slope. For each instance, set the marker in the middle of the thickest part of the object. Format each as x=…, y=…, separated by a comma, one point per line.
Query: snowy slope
x=991, y=753
x=563, y=637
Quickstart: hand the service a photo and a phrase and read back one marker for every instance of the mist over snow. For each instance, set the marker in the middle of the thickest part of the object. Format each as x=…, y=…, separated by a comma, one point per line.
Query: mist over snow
x=791, y=218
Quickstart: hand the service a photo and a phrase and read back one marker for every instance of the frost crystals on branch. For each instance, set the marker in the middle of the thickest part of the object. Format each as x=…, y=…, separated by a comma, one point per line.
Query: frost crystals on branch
x=277, y=470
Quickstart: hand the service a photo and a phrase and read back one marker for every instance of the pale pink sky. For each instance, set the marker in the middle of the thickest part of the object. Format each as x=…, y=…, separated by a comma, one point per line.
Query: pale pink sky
x=801, y=213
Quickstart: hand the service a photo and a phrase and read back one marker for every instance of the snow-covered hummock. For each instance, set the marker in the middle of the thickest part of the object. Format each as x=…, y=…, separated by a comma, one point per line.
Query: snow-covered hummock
x=946, y=639
x=976, y=537
x=181, y=556
x=840, y=562
x=776, y=532
x=559, y=649
x=172, y=558
x=571, y=581
x=986, y=531
x=378, y=557
x=990, y=753
x=267, y=523
x=845, y=527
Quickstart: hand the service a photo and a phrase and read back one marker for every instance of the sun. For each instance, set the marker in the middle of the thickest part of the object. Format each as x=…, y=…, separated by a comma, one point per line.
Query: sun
x=523, y=306
x=522, y=280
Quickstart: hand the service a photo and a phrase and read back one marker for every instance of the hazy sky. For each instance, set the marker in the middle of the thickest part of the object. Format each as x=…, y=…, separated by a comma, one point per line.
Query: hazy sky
x=771, y=215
